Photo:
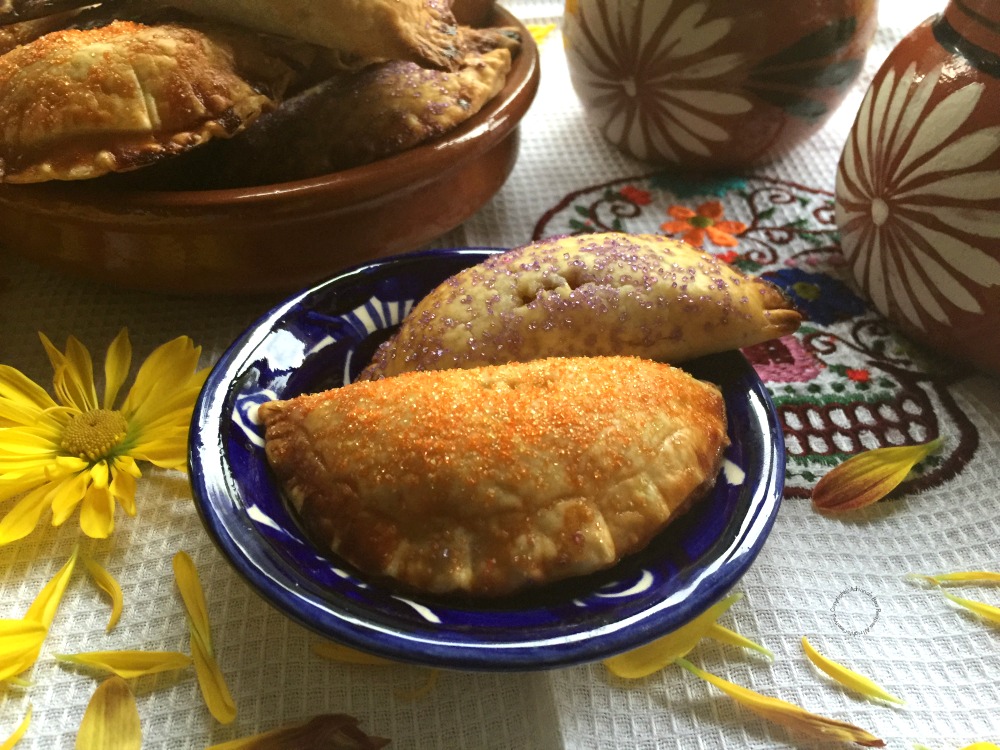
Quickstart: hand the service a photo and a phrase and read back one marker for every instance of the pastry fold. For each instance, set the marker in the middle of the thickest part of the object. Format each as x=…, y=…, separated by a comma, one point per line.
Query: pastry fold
x=421, y=31
x=586, y=295
x=489, y=480
x=76, y=104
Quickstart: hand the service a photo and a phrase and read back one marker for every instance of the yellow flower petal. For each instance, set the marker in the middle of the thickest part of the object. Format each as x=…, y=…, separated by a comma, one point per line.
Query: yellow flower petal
x=21, y=399
x=847, y=677
x=43, y=609
x=19, y=732
x=868, y=477
x=20, y=642
x=345, y=655
x=106, y=583
x=22, y=519
x=123, y=489
x=963, y=576
x=66, y=495
x=73, y=377
x=168, y=370
x=654, y=656
x=117, y=363
x=787, y=714
x=723, y=634
x=111, y=721
x=213, y=685
x=987, y=611
x=324, y=731
x=97, y=512
x=539, y=31
x=129, y=664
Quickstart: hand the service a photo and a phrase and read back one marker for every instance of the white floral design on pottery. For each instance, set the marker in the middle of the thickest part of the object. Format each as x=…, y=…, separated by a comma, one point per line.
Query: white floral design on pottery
x=652, y=75
x=907, y=190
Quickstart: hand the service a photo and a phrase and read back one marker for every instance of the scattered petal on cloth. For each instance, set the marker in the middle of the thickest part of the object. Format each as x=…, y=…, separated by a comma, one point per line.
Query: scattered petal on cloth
x=787, y=714
x=539, y=31
x=722, y=634
x=847, y=677
x=129, y=664
x=661, y=653
x=326, y=732
x=986, y=611
x=20, y=642
x=19, y=732
x=210, y=679
x=962, y=576
x=868, y=477
x=111, y=721
x=106, y=583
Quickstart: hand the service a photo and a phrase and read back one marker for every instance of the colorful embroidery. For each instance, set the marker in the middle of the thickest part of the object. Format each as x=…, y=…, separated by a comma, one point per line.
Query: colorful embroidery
x=846, y=381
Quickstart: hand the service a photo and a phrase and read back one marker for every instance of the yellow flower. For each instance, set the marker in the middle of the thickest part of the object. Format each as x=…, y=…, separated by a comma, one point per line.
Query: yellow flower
x=80, y=449
x=785, y=713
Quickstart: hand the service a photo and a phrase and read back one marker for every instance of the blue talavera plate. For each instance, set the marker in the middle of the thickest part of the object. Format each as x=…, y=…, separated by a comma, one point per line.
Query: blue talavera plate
x=321, y=339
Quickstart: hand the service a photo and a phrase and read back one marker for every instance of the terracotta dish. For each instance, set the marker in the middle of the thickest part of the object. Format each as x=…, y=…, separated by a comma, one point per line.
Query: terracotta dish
x=276, y=237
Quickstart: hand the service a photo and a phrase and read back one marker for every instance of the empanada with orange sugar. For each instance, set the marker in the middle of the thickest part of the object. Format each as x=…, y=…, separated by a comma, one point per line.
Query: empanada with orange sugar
x=586, y=295
x=490, y=480
x=77, y=104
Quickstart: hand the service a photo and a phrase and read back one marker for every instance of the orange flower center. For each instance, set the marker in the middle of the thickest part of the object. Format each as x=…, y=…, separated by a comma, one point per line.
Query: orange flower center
x=93, y=434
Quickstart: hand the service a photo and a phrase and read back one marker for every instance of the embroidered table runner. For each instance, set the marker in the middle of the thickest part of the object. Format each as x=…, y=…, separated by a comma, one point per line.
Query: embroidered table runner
x=844, y=383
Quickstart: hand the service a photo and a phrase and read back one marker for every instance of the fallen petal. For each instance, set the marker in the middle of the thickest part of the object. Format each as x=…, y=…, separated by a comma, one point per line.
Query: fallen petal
x=19, y=732
x=847, y=677
x=987, y=611
x=787, y=714
x=106, y=583
x=346, y=655
x=20, y=643
x=962, y=576
x=651, y=658
x=324, y=732
x=111, y=721
x=722, y=634
x=213, y=685
x=868, y=477
x=129, y=664
x=46, y=604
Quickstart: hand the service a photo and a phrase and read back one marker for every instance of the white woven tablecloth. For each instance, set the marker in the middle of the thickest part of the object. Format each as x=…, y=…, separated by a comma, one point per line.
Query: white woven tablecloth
x=839, y=582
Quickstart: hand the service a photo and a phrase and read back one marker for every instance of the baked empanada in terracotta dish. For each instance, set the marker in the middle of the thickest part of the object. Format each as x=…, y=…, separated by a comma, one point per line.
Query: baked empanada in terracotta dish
x=486, y=481
x=587, y=295
x=421, y=31
x=77, y=104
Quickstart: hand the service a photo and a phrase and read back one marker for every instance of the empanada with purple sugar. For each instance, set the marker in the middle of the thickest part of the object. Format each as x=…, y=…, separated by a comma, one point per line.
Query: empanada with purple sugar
x=490, y=480
x=587, y=295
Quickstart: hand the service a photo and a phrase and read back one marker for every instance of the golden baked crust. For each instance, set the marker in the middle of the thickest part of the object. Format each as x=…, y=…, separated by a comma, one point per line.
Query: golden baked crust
x=77, y=104
x=488, y=480
x=421, y=31
x=585, y=295
x=350, y=120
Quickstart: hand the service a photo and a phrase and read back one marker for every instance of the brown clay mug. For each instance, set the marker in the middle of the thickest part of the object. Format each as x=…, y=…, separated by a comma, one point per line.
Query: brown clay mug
x=918, y=185
x=714, y=84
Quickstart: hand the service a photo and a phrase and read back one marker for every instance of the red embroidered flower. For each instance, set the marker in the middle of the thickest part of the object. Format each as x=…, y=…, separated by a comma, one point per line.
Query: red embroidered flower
x=728, y=256
x=859, y=376
x=705, y=221
x=638, y=196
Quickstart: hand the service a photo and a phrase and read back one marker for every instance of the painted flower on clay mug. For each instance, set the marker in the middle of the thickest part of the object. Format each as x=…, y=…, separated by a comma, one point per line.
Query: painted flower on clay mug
x=918, y=185
x=713, y=84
